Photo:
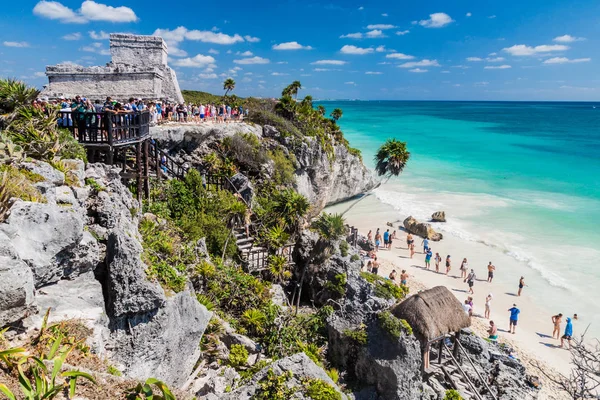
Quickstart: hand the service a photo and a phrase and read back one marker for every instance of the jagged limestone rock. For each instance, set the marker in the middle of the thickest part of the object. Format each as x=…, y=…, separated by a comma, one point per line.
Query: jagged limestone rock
x=438, y=216
x=16, y=284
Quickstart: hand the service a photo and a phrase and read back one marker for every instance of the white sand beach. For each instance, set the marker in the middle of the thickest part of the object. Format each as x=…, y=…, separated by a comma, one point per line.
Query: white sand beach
x=533, y=339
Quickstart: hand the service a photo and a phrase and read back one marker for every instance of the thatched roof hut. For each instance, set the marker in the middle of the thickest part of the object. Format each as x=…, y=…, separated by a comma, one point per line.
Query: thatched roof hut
x=433, y=313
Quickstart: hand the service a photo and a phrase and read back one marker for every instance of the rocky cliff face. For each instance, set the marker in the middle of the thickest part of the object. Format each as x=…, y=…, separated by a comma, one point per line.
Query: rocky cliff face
x=322, y=180
x=79, y=255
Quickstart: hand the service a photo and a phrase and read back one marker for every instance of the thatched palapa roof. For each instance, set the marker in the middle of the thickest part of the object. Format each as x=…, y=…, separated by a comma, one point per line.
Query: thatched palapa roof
x=433, y=313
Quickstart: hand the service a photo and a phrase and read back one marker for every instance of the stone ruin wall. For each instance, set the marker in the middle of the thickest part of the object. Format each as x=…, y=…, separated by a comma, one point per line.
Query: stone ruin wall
x=138, y=69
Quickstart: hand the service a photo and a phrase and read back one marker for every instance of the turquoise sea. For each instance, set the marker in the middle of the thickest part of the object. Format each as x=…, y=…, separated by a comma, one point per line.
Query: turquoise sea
x=522, y=178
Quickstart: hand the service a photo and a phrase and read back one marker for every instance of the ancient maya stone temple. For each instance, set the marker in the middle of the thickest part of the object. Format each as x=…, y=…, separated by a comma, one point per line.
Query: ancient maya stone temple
x=138, y=69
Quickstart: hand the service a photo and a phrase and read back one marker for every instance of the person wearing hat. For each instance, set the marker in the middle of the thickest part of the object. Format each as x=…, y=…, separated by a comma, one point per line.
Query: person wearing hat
x=514, y=318
x=568, y=334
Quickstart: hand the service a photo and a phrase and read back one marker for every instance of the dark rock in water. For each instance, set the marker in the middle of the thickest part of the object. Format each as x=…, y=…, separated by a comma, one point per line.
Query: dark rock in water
x=438, y=216
x=393, y=366
x=421, y=229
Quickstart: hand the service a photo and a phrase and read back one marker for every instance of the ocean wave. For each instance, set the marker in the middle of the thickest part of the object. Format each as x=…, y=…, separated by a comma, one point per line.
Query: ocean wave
x=415, y=203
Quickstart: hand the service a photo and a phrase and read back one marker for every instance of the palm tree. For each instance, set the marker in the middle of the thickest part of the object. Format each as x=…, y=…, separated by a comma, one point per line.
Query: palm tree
x=228, y=85
x=391, y=158
x=336, y=114
x=295, y=87
x=321, y=110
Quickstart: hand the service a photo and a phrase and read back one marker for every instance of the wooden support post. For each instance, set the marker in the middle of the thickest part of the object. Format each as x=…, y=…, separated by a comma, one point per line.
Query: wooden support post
x=138, y=165
x=109, y=156
x=441, y=351
x=455, y=349
x=146, y=170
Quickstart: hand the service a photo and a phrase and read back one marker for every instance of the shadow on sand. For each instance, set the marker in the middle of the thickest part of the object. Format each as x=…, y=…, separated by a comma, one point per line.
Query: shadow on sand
x=511, y=294
x=551, y=345
x=543, y=335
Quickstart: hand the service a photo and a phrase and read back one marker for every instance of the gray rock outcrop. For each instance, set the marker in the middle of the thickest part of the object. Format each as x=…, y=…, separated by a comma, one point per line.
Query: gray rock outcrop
x=16, y=284
x=421, y=229
x=299, y=365
x=438, y=216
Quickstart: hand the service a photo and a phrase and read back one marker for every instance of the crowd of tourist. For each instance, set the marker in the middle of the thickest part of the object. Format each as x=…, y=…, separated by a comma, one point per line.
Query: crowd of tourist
x=160, y=111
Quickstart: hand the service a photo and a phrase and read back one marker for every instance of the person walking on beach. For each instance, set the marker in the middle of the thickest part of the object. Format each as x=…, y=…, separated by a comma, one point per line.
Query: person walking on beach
x=467, y=307
x=514, y=318
x=448, y=264
x=568, y=334
x=428, y=258
x=390, y=240
x=521, y=285
x=375, y=268
x=425, y=245
x=403, y=278
x=438, y=260
x=386, y=238
x=463, y=268
x=488, y=306
x=412, y=250
x=556, y=321
x=470, y=279
x=409, y=240
x=370, y=236
x=377, y=240
x=491, y=270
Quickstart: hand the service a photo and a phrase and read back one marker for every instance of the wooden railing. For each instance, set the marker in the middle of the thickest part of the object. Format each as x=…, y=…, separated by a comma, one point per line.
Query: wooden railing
x=107, y=128
x=258, y=259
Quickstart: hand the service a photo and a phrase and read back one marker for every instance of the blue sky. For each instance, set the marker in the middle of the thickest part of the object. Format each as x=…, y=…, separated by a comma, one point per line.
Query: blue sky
x=458, y=50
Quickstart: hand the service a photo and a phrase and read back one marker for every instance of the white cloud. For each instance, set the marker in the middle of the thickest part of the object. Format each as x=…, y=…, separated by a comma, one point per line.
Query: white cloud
x=182, y=33
x=567, y=39
x=99, y=35
x=481, y=83
x=493, y=54
x=474, y=59
x=494, y=59
x=373, y=73
x=400, y=56
x=251, y=39
x=565, y=60
x=329, y=62
x=361, y=8
x=16, y=44
x=208, y=76
x=349, y=49
x=177, y=52
x=290, y=46
x=468, y=14
x=524, y=50
x=245, y=54
x=402, y=33
x=279, y=74
x=445, y=72
x=213, y=51
x=380, y=49
x=282, y=62
x=492, y=17
x=436, y=20
x=418, y=70
x=456, y=85
x=384, y=63
x=235, y=69
x=96, y=48
x=89, y=11
x=325, y=69
x=497, y=66
x=350, y=83
x=356, y=35
x=375, y=33
x=381, y=26
x=422, y=63
x=197, y=61
x=252, y=60
x=72, y=36
x=384, y=15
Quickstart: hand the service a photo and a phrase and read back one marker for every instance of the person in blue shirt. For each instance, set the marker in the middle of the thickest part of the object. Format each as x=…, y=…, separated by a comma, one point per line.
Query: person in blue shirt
x=514, y=318
x=428, y=258
x=425, y=245
x=568, y=334
x=386, y=238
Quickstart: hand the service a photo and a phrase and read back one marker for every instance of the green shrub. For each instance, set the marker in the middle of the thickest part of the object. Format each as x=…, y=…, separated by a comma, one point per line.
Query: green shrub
x=385, y=288
x=111, y=369
x=254, y=321
x=317, y=389
x=358, y=335
x=392, y=325
x=452, y=395
x=249, y=372
x=285, y=172
x=274, y=387
x=91, y=182
x=338, y=285
x=205, y=301
x=238, y=356
x=344, y=246
x=147, y=392
x=334, y=374
x=354, y=257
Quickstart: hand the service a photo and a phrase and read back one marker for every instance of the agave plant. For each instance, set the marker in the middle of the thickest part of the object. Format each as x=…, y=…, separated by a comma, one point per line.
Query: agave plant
x=4, y=196
x=13, y=95
x=278, y=268
x=145, y=391
x=9, y=151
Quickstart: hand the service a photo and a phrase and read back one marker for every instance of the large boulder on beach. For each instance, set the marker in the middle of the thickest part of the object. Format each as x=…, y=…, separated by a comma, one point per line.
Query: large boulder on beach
x=438, y=216
x=421, y=229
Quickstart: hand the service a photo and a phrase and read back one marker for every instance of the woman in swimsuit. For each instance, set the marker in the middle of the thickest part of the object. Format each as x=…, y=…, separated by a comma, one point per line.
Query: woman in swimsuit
x=412, y=250
x=438, y=260
x=463, y=268
x=488, y=305
x=521, y=284
x=409, y=240
x=448, y=266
